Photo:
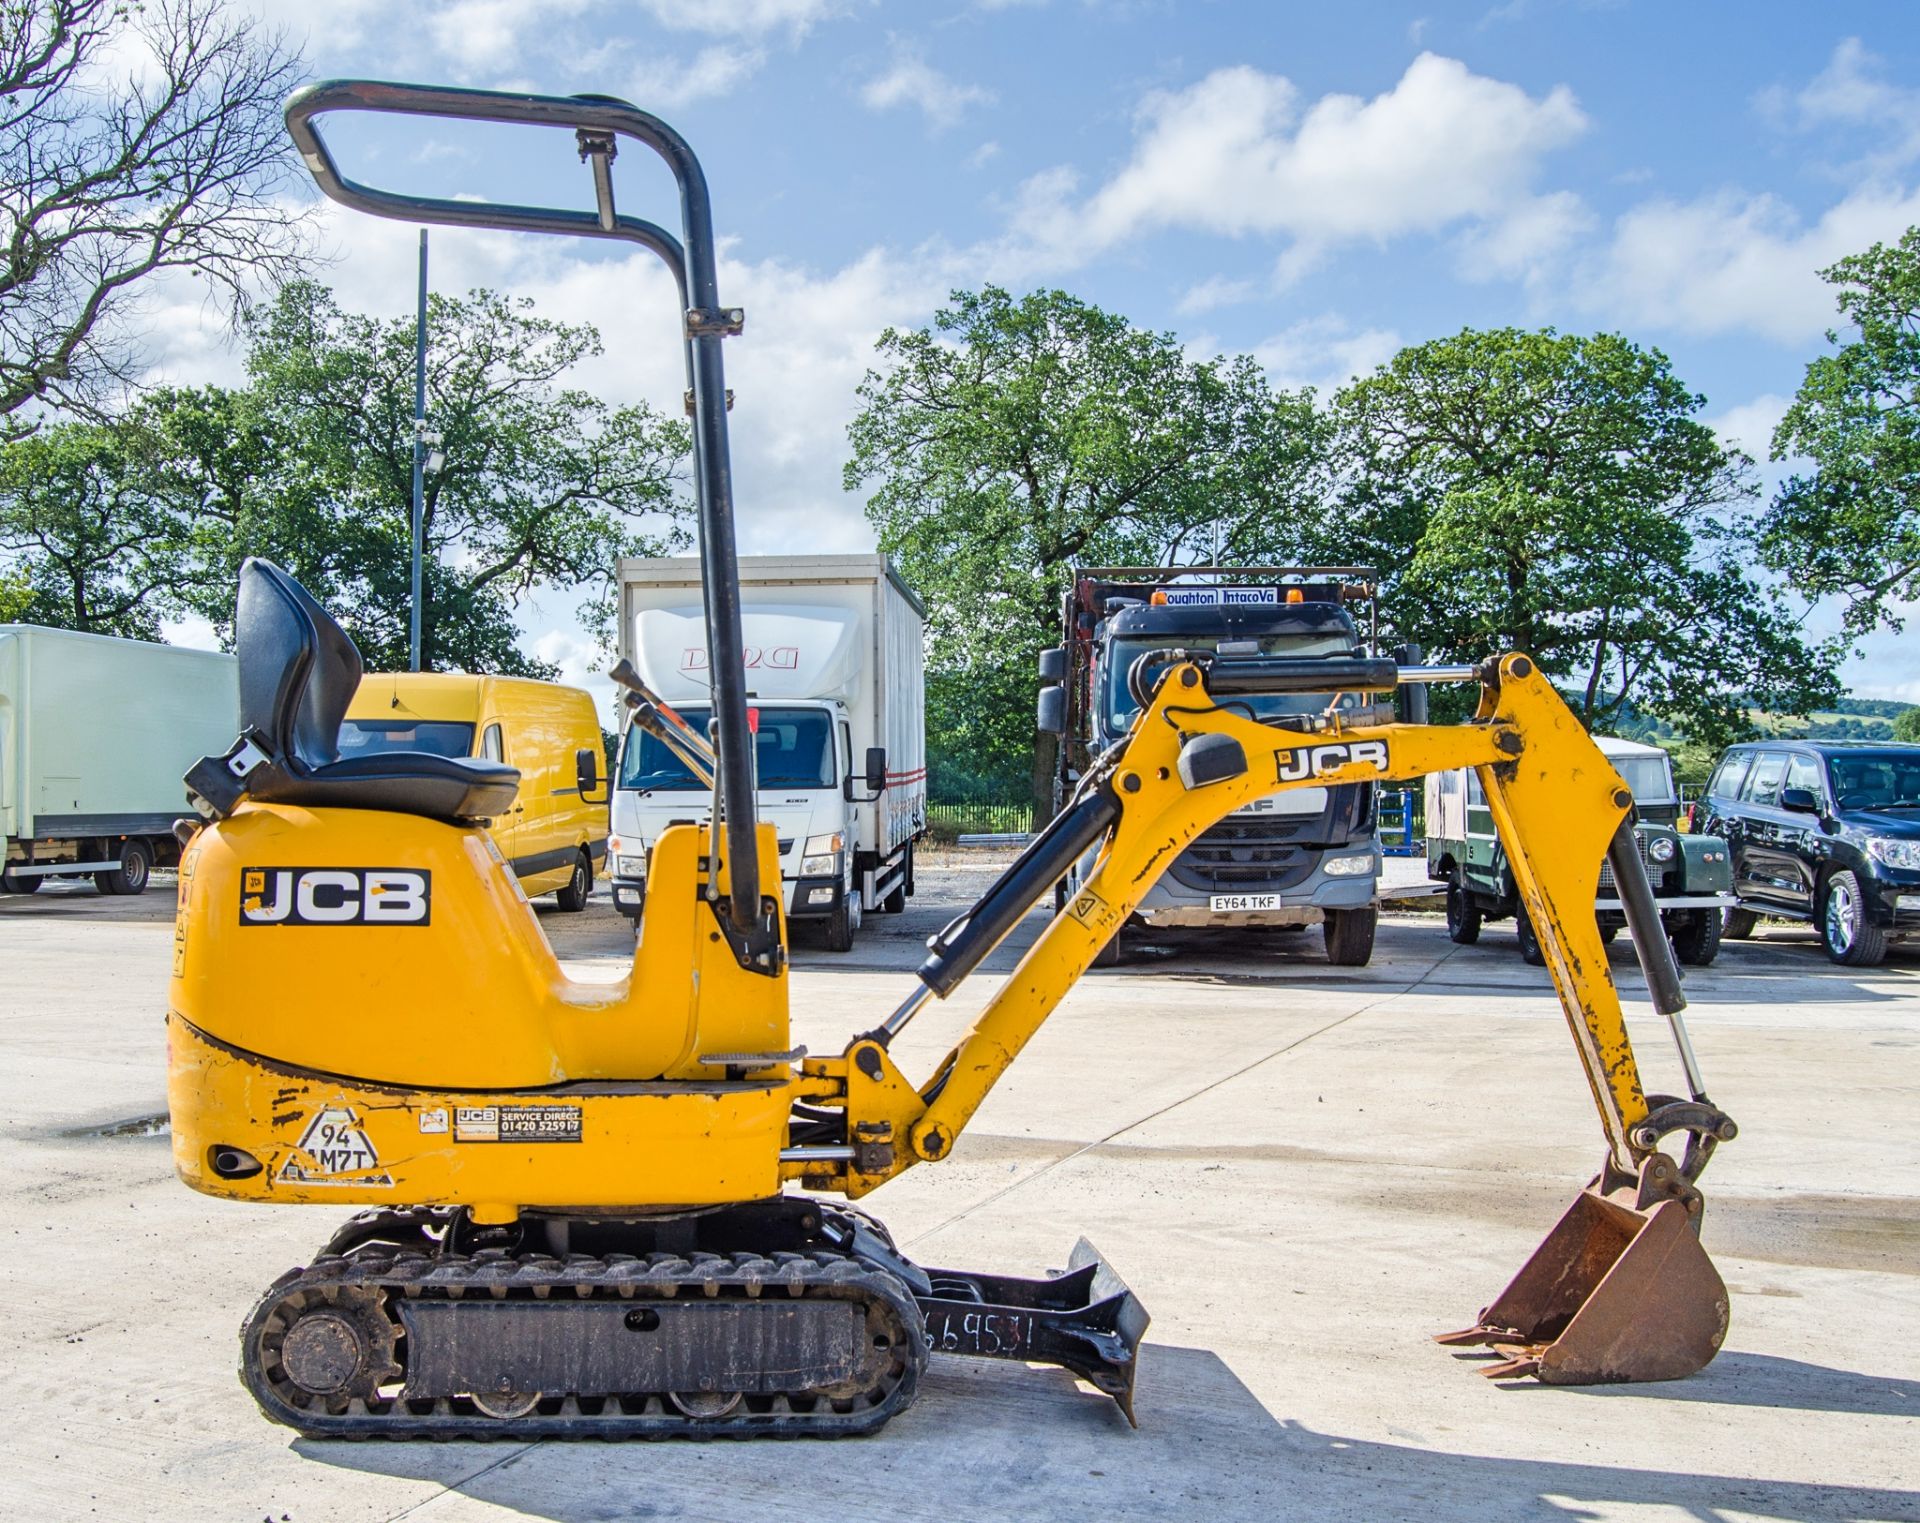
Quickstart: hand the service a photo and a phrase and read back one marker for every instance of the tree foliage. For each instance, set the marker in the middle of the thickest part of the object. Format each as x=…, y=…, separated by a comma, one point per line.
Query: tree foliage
x=1851, y=528
x=1557, y=494
x=1906, y=726
x=134, y=140
x=311, y=465
x=1016, y=438
x=97, y=547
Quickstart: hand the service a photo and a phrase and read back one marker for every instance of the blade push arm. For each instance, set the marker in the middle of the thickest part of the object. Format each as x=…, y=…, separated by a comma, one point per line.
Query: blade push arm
x=1188, y=762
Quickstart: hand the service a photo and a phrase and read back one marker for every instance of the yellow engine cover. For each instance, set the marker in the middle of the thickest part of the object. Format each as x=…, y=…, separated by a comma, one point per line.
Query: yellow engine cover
x=366, y=1004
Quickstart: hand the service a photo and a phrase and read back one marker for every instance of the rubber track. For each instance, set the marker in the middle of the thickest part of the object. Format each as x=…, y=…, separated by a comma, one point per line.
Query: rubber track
x=499, y=1275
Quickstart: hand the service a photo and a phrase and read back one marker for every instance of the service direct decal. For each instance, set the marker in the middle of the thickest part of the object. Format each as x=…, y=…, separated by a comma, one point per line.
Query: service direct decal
x=335, y=896
x=1317, y=761
x=512, y=1123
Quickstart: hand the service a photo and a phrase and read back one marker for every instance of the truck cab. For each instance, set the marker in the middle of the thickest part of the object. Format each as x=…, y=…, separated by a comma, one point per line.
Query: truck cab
x=1290, y=860
x=836, y=702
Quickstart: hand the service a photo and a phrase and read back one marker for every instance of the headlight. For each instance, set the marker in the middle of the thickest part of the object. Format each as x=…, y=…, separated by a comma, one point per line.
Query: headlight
x=1660, y=849
x=629, y=867
x=1894, y=852
x=1350, y=867
x=822, y=857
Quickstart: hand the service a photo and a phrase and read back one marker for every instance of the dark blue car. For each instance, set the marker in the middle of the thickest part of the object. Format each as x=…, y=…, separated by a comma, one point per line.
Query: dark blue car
x=1826, y=831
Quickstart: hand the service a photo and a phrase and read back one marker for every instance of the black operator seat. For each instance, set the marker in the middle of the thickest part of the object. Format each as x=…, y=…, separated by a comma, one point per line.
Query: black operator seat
x=298, y=673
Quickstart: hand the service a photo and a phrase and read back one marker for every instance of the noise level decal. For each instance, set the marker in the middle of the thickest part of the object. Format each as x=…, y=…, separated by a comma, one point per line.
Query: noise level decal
x=335, y=1150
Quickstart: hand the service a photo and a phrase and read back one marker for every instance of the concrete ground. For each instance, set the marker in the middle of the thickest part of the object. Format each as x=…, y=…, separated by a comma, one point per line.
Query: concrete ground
x=1303, y=1171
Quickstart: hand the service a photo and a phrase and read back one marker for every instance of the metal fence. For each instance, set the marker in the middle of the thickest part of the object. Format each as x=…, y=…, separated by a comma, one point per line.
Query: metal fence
x=977, y=818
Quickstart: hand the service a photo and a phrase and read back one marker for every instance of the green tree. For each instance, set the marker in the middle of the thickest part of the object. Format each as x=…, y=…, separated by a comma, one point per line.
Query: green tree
x=1906, y=727
x=312, y=465
x=1016, y=438
x=1557, y=495
x=1851, y=527
x=97, y=544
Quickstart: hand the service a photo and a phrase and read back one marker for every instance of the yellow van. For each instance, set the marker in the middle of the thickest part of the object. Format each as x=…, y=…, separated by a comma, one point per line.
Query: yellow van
x=555, y=835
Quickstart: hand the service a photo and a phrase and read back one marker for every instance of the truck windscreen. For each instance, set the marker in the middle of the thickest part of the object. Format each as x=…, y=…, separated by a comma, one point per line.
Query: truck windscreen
x=376, y=737
x=1118, y=708
x=793, y=749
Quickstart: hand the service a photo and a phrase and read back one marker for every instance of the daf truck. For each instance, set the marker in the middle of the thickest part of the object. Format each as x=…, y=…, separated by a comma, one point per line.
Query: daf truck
x=837, y=704
x=95, y=736
x=1307, y=856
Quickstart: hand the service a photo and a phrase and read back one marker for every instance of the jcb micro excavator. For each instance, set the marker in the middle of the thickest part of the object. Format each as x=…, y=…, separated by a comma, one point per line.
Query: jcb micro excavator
x=579, y=1217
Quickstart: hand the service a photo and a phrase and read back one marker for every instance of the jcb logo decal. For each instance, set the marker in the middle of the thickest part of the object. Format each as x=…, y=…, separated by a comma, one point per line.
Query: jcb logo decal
x=335, y=896
x=1318, y=761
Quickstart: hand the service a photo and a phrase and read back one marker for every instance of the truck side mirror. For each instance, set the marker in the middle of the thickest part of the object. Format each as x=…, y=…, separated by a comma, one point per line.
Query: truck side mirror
x=586, y=772
x=876, y=769
x=1051, y=716
x=1410, y=698
x=1799, y=801
x=1053, y=664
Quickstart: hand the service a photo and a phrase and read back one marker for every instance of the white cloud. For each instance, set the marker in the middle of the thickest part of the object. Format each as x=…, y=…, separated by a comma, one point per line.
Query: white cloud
x=742, y=18
x=497, y=34
x=1324, y=352
x=1852, y=91
x=1731, y=262
x=1239, y=153
x=1750, y=425
x=665, y=83
x=1521, y=244
x=984, y=155
x=909, y=80
x=1217, y=291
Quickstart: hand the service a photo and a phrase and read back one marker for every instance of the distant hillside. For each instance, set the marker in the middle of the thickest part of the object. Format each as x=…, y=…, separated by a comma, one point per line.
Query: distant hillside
x=1848, y=719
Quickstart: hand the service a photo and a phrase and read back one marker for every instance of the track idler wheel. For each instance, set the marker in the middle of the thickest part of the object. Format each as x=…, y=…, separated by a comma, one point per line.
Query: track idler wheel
x=1620, y=1290
x=321, y=1351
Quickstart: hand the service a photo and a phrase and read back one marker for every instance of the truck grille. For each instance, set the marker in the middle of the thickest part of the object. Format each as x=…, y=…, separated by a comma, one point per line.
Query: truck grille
x=1656, y=871
x=1247, y=854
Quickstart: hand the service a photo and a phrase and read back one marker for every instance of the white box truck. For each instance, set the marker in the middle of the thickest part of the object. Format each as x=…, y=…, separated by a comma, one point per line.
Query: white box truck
x=837, y=698
x=95, y=737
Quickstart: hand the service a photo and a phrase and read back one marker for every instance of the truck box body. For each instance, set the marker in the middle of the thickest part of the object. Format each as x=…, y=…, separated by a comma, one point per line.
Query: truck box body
x=95, y=737
x=837, y=636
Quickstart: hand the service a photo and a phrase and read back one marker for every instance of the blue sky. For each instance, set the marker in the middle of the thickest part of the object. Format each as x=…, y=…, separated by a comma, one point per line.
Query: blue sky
x=1313, y=184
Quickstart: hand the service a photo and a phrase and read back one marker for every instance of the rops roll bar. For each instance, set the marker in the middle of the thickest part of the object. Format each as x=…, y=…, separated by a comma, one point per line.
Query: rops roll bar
x=597, y=122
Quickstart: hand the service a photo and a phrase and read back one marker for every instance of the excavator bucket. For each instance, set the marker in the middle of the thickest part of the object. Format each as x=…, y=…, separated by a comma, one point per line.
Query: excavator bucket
x=1614, y=1294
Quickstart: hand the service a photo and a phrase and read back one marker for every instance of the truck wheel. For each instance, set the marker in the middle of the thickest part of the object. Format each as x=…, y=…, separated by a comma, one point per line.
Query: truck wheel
x=1849, y=937
x=21, y=884
x=573, y=897
x=1114, y=952
x=1349, y=935
x=1530, y=952
x=1696, y=941
x=1463, y=915
x=844, y=923
x=1738, y=925
x=1608, y=930
x=130, y=877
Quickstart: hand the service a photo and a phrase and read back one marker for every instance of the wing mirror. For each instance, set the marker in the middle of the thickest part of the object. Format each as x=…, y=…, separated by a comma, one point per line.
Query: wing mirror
x=1799, y=800
x=586, y=773
x=1410, y=698
x=1051, y=715
x=1053, y=664
x=876, y=769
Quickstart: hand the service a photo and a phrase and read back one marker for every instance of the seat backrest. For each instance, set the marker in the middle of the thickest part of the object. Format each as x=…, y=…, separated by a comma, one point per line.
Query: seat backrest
x=298, y=669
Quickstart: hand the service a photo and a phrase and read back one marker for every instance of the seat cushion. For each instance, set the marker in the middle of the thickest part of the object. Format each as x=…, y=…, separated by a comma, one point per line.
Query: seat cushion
x=405, y=782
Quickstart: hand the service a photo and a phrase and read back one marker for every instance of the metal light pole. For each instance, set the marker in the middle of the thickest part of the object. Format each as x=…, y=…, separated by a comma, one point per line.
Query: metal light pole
x=419, y=455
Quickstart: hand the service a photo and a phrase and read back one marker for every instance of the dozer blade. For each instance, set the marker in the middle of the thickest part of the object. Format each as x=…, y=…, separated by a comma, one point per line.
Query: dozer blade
x=1614, y=1294
x=1086, y=1320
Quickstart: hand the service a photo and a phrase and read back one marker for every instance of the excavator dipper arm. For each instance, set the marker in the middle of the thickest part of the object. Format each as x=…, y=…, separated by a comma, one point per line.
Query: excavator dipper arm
x=1192, y=757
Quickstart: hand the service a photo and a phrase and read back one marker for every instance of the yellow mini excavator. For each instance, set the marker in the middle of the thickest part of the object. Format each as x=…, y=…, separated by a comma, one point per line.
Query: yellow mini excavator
x=620, y=1209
